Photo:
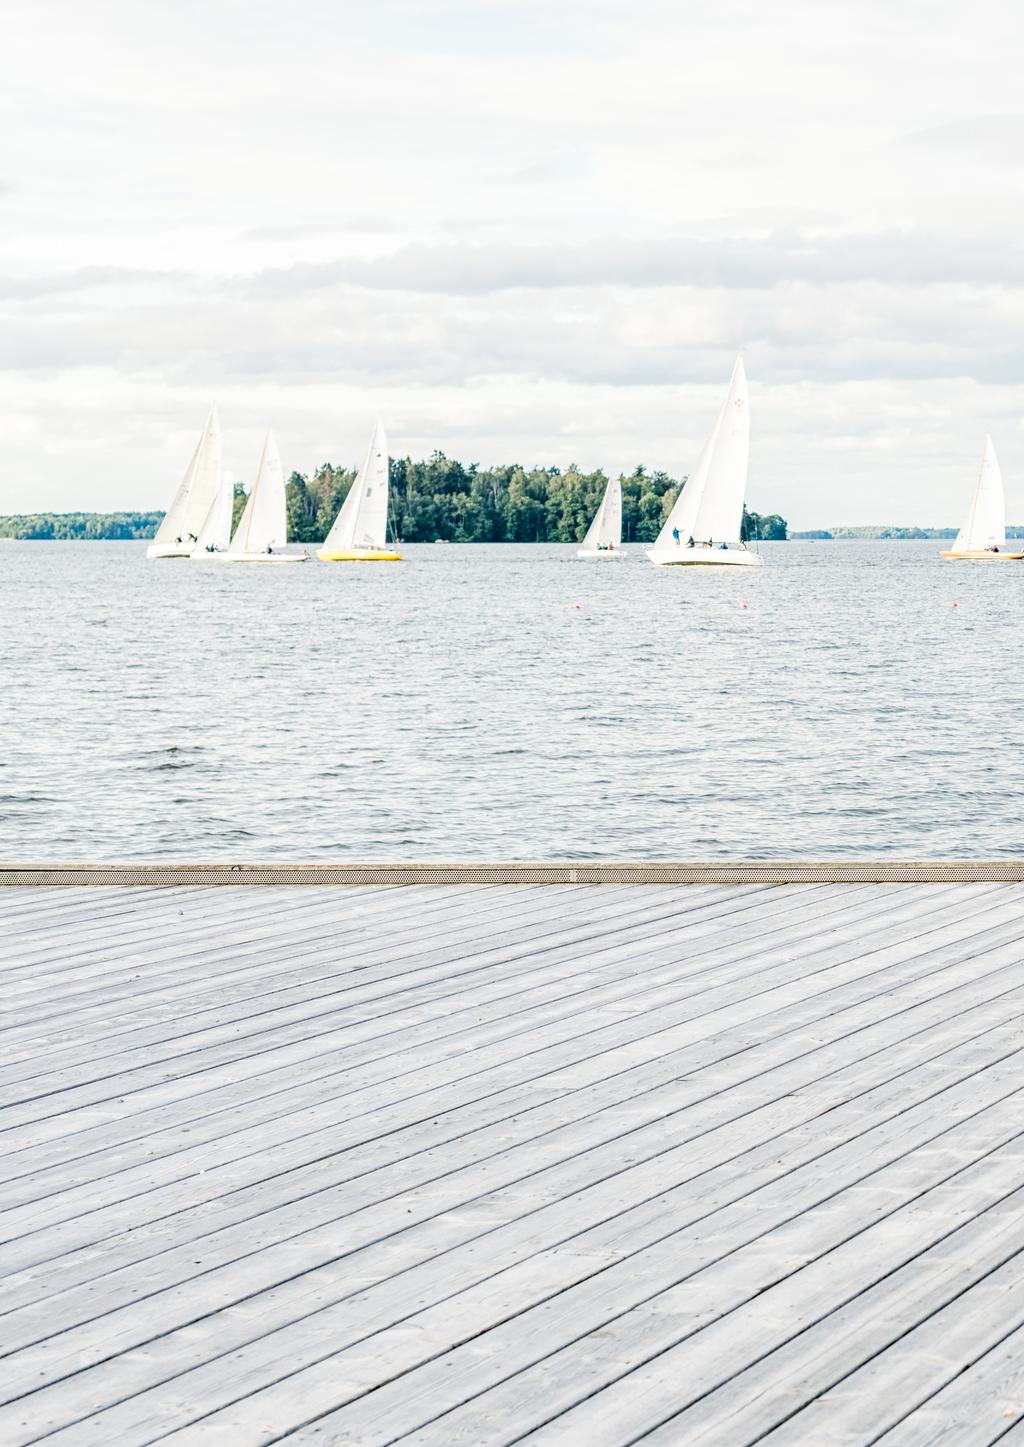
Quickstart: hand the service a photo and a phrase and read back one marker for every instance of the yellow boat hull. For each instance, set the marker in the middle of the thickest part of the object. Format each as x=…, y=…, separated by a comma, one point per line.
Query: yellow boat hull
x=986, y=556
x=359, y=555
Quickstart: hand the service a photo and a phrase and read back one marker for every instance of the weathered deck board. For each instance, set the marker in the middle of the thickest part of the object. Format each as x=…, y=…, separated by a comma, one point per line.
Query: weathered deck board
x=718, y=1163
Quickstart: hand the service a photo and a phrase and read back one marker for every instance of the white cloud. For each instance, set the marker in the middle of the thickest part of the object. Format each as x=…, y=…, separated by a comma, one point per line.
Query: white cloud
x=515, y=230
x=907, y=260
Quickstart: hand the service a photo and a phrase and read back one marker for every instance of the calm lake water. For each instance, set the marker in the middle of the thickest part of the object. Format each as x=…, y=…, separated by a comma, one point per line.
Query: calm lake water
x=509, y=702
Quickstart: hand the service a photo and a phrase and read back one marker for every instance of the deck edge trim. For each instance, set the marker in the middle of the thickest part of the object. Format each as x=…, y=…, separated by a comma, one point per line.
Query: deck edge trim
x=752, y=871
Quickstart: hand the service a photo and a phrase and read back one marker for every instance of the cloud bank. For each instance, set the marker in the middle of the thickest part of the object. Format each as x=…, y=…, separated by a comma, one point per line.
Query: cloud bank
x=515, y=232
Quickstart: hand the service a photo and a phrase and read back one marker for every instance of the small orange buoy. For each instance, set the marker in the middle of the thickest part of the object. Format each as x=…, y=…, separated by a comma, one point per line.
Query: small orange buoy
x=576, y=605
x=743, y=605
x=956, y=605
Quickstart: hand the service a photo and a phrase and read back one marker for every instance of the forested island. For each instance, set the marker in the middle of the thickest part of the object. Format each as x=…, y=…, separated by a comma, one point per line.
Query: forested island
x=436, y=498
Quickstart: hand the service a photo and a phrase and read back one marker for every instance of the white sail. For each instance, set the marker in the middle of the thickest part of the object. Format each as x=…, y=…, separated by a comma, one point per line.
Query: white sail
x=606, y=529
x=206, y=477
x=985, y=526
x=172, y=524
x=215, y=534
x=710, y=506
x=263, y=525
x=683, y=517
x=195, y=495
x=363, y=519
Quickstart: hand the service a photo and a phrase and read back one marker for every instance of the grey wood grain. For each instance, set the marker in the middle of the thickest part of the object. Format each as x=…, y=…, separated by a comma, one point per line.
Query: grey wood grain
x=721, y=1163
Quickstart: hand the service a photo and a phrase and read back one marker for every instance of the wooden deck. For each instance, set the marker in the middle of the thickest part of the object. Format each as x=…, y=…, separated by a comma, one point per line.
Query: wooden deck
x=567, y=1164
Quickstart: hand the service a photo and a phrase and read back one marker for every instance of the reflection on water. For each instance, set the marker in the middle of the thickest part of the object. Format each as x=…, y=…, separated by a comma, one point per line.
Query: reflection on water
x=509, y=702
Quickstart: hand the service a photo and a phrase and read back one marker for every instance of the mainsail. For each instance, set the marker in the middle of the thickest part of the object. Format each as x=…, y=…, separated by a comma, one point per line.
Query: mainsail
x=264, y=523
x=194, y=498
x=363, y=519
x=710, y=506
x=215, y=534
x=606, y=529
x=985, y=526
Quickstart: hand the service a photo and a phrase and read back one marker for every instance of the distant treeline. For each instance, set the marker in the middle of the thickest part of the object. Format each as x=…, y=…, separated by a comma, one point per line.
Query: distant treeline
x=877, y=534
x=438, y=498
x=92, y=526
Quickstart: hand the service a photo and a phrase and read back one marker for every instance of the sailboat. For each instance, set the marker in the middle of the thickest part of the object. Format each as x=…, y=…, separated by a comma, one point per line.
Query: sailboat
x=263, y=527
x=360, y=530
x=176, y=536
x=983, y=536
x=215, y=535
x=604, y=536
x=704, y=526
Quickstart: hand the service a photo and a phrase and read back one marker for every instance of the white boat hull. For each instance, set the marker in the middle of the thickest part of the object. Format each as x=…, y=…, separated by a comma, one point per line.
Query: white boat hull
x=169, y=550
x=262, y=557
x=698, y=557
x=610, y=555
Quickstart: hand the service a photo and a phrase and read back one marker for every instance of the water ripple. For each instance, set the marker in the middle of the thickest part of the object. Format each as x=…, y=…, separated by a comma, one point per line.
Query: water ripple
x=462, y=706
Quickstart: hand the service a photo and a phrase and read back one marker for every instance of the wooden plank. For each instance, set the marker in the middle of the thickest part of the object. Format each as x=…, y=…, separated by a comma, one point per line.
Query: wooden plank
x=308, y=1044
x=707, y=1279
x=374, y=1162
x=350, y=953
x=375, y=952
x=812, y=929
x=149, y=1122
x=766, y=1396
x=983, y=1403
x=525, y=1160
x=96, y=965
x=928, y=1324
x=657, y=1012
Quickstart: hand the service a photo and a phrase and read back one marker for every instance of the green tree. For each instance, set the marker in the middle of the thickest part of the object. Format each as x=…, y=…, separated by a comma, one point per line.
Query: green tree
x=438, y=498
x=768, y=527
x=237, y=506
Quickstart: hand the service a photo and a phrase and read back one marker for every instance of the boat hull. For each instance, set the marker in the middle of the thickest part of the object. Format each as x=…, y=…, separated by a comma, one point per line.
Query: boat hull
x=169, y=550
x=358, y=555
x=611, y=555
x=704, y=558
x=983, y=555
x=262, y=557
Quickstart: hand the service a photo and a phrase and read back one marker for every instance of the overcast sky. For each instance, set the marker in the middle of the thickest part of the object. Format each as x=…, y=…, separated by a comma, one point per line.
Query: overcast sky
x=517, y=230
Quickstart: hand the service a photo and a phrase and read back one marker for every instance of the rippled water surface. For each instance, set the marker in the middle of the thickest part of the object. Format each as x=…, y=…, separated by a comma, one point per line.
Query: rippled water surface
x=509, y=702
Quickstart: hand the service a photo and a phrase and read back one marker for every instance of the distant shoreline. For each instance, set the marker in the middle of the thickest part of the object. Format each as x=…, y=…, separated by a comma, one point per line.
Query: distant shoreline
x=884, y=534
x=141, y=527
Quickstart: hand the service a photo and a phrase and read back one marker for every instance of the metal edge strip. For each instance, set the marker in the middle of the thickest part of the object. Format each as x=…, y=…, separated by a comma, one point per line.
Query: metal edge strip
x=767, y=871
